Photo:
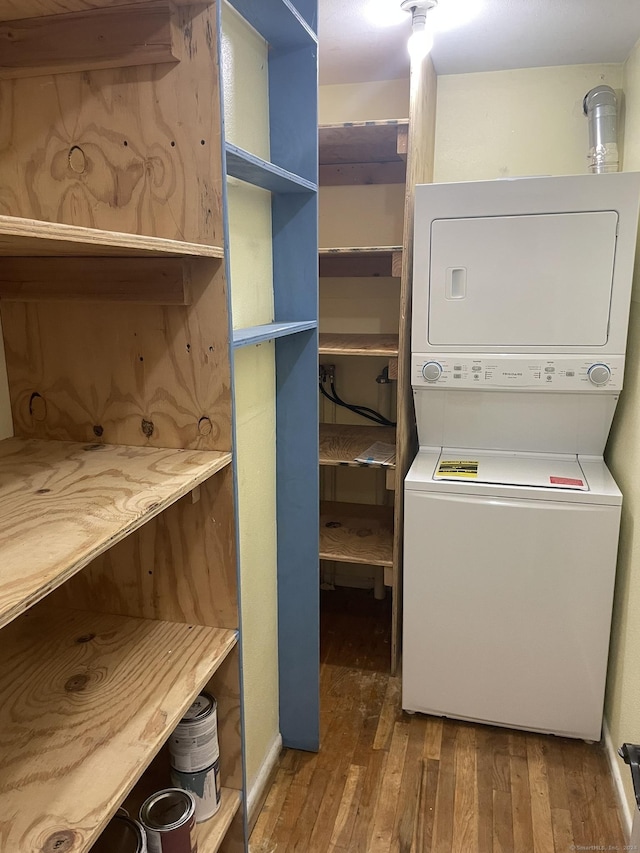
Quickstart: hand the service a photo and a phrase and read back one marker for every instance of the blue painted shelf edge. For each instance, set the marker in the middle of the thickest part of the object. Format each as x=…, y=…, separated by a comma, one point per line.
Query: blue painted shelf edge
x=280, y=24
x=270, y=331
x=247, y=167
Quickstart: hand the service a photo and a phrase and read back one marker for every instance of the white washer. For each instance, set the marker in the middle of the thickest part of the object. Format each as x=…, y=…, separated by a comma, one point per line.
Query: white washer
x=521, y=294
x=507, y=603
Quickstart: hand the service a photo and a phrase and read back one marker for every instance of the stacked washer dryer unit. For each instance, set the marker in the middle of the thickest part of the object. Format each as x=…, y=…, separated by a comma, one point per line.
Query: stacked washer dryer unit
x=520, y=309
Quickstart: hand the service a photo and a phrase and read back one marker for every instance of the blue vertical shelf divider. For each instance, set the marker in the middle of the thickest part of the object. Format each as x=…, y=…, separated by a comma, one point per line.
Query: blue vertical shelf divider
x=292, y=177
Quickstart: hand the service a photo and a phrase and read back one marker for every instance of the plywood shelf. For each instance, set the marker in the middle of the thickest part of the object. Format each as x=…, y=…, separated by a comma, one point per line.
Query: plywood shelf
x=345, y=344
x=117, y=37
x=269, y=332
x=341, y=443
x=361, y=261
x=247, y=167
x=63, y=503
x=13, y=10
x=356, y=533
x=370, y=152
x=31, y=237
x=88, y=700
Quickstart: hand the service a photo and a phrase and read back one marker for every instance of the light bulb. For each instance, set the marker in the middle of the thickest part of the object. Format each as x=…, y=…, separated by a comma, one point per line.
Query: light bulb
x=420, y=41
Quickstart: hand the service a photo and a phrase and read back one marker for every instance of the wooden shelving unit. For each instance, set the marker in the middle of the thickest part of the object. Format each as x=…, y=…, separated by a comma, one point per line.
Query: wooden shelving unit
x=369, y=152
x=361, y=261
x=346, y=344
x=365, y=153
x=118, y=575
x=340, y=444
x=88, y=699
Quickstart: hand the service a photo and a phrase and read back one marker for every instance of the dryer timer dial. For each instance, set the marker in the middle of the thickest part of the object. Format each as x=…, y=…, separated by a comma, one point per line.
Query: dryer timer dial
x=432, y=371
x=599, y=374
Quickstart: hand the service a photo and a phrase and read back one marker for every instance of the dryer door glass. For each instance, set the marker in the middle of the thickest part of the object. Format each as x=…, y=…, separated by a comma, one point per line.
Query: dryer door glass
x=531, y=281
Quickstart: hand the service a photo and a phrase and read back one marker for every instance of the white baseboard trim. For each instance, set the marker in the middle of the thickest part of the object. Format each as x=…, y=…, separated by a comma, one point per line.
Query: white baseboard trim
x=616, y=776
x=258, y=787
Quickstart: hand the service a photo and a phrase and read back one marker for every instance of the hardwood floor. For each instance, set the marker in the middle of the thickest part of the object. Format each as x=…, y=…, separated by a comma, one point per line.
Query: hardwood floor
x=386, y=781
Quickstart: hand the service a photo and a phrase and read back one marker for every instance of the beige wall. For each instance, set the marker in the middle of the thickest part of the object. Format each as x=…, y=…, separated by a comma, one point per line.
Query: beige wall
x=247, y=125
x=509, y=123
x=622, y=707
x=363, y=101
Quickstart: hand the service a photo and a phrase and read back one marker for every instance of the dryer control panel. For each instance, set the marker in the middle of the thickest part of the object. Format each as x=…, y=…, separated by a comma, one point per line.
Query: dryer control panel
x=570, y=373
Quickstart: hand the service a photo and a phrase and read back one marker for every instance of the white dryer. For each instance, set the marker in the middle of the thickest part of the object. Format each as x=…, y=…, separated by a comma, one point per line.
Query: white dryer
x=520, y=310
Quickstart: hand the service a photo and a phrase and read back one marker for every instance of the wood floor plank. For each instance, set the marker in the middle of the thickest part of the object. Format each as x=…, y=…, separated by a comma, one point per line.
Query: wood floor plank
x=562, y=830
x=387, y=782
x=343, y=825
x=410, y=789
x=388, y=715
x=465, y=805
x=423, y=839
x=433, y=738
x=603, y=817
x=578, y=806
x=359, y=841
x=485, y=744
x=389, y=792
x=502, y=822
x=271, y=810
x=539, y=788
x=520, y=795
x=443, y=826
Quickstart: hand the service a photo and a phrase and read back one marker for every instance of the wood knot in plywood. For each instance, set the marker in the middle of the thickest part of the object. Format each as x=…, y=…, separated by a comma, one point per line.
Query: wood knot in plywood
x=147, y=427
x=60, y=842
x=42, y=491
x=85, y=638
x=363, y=532
x=77, y=160
x=333, y=524
x=205, y=427
x=77, y=683
x=37, y=407
x=98, y=430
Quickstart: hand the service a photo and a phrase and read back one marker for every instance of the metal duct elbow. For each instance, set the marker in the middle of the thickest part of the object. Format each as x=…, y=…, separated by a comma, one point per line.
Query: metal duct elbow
x=601, y=109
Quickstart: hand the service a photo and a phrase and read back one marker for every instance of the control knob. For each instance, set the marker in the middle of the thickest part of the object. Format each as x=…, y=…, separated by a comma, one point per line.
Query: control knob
x=599, y=374
x=432, y=371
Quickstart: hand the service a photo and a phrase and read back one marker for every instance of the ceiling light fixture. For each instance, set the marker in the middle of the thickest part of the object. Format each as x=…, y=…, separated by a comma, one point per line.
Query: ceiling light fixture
x=421, y=39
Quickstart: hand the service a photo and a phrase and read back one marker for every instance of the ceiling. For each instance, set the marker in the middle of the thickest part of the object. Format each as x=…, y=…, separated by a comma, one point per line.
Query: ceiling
x=364, y=40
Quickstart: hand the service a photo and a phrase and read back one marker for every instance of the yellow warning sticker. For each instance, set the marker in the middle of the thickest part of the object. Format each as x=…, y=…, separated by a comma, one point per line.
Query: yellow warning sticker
x=467, y=468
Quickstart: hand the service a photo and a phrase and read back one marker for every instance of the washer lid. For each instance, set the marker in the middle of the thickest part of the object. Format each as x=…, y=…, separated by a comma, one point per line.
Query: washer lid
x=552, y=471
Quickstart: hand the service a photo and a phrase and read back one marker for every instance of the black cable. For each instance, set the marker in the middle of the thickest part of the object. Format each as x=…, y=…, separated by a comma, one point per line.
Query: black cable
x=381, y=418
x=353, y=409
x=363, y=411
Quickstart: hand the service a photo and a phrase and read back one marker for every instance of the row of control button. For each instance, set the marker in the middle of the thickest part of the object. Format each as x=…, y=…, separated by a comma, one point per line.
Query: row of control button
x=599, y=374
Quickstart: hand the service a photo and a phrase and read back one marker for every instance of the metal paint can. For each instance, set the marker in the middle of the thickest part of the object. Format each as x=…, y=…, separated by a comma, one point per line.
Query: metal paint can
x=193, y=746
x=121, y=835
x=169, y=819
x=205, y=787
